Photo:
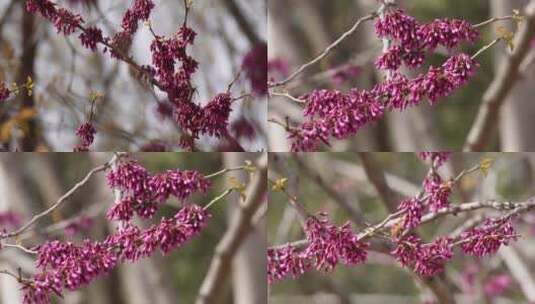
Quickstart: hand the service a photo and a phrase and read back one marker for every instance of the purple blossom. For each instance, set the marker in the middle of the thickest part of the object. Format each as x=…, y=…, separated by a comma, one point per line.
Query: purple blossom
x=80, y=224
x=285, y=262
x=390, y=60
x=4, y=92
x=139, y=11
x=496, y=285
x=131, y=178
x=91, y=37
x=488, y=237
x=255, y=66
x=438, y=190
x=329, y=244
x=414, y=209
x=432, y=257
x=277, y=68
x=437, y=158
x=407, y=249
x=122, y=210
x=345, y=74
x=71, y=266
x=216, y=115
x=86, y=132
x=177, y=183
x=142, y=191
x=331, y=113
x=66, y=22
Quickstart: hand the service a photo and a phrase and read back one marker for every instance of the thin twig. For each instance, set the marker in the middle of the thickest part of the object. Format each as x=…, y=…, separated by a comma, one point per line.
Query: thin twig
x=61, y=200
x=326, y=51
x=501, y=86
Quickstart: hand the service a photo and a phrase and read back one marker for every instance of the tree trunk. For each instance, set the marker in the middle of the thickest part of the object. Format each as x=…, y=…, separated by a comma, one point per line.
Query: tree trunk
x=516, y=123
x=249, y=265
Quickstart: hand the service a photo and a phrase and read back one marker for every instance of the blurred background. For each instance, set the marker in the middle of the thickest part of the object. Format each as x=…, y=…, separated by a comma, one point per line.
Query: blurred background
x=339, y=183
x=301, y=29
x=128, y=116
x=30, y=183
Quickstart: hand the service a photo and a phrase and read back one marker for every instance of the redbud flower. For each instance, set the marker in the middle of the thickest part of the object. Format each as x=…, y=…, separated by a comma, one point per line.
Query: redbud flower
x=285, y=262
x=91, y=37
x=438, y=190
x=496, y=285
x=328, y=244
x=488, y=237
x=413, y=212
x=407, y=249
x=80, y=224
x=437, y=158
x=216, y=115
x=4, y=92
x=177, y=183
x=131, y=178
x=66, y=22
x=255, y=66
x=139, y=11
x=432, y=257
x=86, y=132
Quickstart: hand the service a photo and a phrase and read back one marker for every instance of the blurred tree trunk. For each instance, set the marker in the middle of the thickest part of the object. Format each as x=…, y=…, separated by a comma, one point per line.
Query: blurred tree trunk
x=249, y=265
x=516, y=121
x=13, y=197
x=29, y=42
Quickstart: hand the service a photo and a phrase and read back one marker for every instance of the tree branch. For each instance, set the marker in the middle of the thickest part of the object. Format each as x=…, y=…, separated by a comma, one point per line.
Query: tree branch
x=501, y=86
x=238, y=230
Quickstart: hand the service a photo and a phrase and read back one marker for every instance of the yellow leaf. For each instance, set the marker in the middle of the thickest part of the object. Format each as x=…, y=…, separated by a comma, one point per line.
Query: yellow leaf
x=5, y=130
x=280, y=184
x=26, y=114
x=507, y=36
x=485, y=165
x=249, y=167
x=237, y=185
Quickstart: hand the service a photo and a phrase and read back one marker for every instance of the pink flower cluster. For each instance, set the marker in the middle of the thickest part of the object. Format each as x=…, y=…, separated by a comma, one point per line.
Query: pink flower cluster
x=436, y=158
x=331, y=113
x=174, y=68
x=255, y=66
x=4, y=92
x=437, y=193
x=91, y=37
x=64, y=21
x=488, y=237
x=140, y=11
x=327, y=245
x=86, y=132
x=142, y=192
x=410, y=40
x=65, y=265
x=425, y=259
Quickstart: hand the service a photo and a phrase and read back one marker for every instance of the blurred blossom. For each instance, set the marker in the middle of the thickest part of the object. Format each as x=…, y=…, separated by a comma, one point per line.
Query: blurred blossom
x=81, y=224
x=345, y=74
x=278, y=68
x=10, y=219
x=497, y=285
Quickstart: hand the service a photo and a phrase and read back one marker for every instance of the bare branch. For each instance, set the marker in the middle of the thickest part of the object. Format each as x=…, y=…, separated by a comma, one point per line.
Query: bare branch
x=501, y=86
x=239, y=228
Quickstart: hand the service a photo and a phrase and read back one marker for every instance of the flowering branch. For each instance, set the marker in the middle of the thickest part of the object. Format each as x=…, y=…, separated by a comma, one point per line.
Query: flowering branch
x=327, y=244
